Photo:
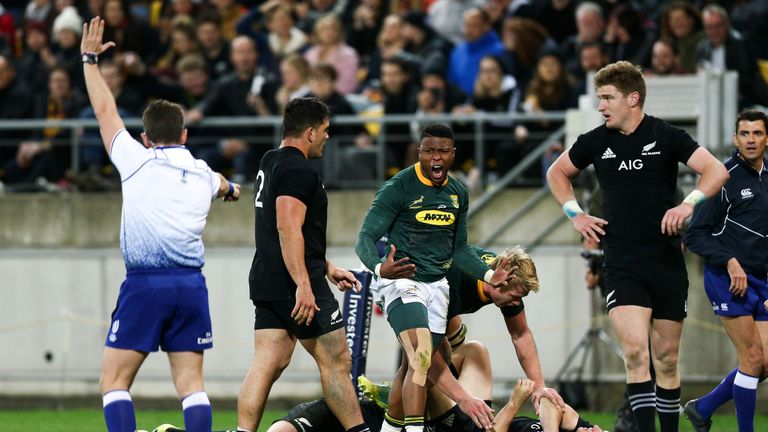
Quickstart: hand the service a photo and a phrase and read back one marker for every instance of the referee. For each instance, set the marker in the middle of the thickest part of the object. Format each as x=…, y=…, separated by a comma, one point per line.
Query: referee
x=636, y=159
x=728, y=231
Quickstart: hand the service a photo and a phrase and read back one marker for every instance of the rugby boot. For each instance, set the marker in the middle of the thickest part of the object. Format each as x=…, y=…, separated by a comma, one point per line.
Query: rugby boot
x=691, y=411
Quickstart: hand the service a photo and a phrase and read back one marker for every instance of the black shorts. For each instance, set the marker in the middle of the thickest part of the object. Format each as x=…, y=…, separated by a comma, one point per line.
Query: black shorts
x=660, y=284
x=317, y=416
x=277, y=314
x=453, y=420
x=527, y=424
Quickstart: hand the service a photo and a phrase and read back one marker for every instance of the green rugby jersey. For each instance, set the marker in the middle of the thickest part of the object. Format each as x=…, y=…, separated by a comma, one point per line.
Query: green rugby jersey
x=467, y=294
x=426, y=223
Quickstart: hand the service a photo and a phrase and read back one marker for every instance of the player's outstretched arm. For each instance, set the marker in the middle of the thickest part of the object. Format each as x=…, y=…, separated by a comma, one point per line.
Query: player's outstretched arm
x=521, y=393
x=559, y=180
x=227, y=190
x=102, y=100
x=475, y=408
x=713, y=177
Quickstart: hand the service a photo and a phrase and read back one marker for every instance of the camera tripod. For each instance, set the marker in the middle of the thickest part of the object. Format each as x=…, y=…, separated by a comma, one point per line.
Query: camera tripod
x=587, y=345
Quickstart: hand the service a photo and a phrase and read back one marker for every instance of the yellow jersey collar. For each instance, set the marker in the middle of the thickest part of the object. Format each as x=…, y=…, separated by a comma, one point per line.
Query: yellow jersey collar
x=426, y=181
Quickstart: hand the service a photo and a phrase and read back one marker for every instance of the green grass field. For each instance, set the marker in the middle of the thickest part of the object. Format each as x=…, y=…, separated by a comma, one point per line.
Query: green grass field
x=92, y=421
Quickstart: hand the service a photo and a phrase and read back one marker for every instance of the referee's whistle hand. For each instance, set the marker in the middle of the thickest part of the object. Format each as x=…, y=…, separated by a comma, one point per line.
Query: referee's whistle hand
x=672, y=222
x=391, y=269
x=590, y=227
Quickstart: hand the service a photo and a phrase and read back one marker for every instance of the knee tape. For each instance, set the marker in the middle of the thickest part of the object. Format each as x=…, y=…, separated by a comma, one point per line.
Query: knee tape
x=419, y=358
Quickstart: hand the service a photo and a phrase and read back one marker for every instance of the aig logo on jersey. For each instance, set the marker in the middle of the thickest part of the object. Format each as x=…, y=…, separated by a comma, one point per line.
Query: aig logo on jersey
x=435, y=217
x=631, y=165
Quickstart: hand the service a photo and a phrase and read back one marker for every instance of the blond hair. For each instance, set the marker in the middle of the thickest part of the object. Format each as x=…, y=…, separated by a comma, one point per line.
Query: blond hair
x=526, y=269
x=623, y=75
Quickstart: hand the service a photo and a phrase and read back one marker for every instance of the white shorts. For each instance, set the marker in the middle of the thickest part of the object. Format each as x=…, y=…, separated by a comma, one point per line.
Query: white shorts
x=433, y=295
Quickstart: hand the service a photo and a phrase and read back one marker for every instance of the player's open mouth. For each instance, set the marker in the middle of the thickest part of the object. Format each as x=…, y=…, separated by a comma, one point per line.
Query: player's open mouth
x=437, y=172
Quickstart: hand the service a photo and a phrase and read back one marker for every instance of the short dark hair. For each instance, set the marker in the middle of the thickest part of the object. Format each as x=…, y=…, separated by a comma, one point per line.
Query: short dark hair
x=303, y=113
x=436, y=130
x=752, y=115
x=324, y=70
x=163, y=122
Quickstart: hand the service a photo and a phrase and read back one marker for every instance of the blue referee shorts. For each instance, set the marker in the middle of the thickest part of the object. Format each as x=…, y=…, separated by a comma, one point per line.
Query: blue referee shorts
x=724, y=303
x=166, y=308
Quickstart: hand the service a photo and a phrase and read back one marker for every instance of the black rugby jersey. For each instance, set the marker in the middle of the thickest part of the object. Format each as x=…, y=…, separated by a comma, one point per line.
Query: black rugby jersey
x=638, y=175
x=285, y=171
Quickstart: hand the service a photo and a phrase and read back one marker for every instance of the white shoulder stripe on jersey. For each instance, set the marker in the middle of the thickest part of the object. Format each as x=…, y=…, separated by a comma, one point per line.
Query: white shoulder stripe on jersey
x=112, y=144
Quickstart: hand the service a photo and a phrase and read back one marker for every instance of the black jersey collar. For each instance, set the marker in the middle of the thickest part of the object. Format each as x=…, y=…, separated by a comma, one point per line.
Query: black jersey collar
x=426, y=181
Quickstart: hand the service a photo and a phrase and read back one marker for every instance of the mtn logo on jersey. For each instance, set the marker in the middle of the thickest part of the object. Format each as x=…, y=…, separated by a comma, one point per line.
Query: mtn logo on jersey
x=435, y=217
x=746, y=193
x=608, y=154
x=647, y=150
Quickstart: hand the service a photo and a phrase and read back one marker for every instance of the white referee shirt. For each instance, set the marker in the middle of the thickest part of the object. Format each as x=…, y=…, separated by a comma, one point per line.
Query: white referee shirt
x=166, y=197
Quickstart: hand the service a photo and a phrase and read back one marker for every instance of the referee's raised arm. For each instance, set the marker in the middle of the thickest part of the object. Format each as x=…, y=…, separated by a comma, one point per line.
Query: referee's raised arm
x=102, y=100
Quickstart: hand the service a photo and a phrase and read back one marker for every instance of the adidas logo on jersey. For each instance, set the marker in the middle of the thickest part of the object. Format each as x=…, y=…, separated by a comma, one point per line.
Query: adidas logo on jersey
x=608, y=154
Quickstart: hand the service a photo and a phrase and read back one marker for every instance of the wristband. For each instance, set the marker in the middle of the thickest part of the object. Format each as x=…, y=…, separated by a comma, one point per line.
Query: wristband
x=695, y=198
x=571, y=209
x=488, y=276
x=231, y=191
x=90, y=58
x=377, y=270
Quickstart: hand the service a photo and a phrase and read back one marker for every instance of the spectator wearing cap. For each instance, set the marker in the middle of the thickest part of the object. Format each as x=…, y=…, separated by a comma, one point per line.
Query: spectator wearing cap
x=37, y=57
x=329, y=47
x=481, y=41
x=425, y=43
x=67, y=28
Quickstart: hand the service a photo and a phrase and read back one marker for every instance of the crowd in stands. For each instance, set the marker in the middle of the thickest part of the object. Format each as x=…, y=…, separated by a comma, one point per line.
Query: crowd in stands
x=223, y=58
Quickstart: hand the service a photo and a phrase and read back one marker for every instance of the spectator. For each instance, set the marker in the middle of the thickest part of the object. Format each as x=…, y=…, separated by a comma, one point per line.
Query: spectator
x=193, y=78
x=183, y=42
x=664, y=59
x=425, y=43
x=391, y=43
x=321, y=82
x=214, y=48
x=523, y=39
x=367, y=20
x=682, y=25
x=399, y=97
x=724, y=49
x=128, y=34
x=7, y=32
x=230, y=12
x=590, y=24
x=294, y=74
x=447, y=18
x=626, y=36
x=39, y=11
x=67, y=28
x=557, y=17
x=592, y=58
x=244, y=92
x=481, y=40
x=310, y=12
x=551, y=89
x=15, y=103
x=38, y=57
x=495, y=92
x=329, y=47
x=284, y=37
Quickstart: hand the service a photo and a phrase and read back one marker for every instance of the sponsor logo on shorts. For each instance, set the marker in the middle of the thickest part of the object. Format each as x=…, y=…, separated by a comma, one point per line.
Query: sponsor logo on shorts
x=435, y=217
x=336, y=317
x=608, y=154
x=715, y=307
x=724, y=307
x=608, y=300
x=302, y=422
x=113, y=331
x=205, y=340
x=746, y=193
